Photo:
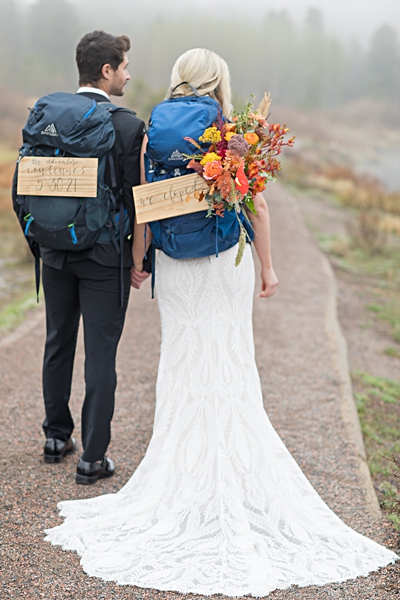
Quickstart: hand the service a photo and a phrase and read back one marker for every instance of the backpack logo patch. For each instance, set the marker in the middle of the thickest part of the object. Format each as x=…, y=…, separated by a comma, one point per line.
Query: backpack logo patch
x=50, y=130
x=176, y=155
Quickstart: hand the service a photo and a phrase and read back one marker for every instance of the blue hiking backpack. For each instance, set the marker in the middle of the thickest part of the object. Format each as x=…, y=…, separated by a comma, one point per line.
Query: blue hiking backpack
x=193, y=235
x=72, y=125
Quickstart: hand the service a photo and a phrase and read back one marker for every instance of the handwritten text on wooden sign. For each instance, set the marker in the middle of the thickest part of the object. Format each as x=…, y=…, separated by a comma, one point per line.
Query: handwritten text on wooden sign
x=169, y=198
x=52, y=176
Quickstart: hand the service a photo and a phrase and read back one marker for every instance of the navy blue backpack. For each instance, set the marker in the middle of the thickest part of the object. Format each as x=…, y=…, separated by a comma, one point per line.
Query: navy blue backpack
x=71, y=125
x=193, y=235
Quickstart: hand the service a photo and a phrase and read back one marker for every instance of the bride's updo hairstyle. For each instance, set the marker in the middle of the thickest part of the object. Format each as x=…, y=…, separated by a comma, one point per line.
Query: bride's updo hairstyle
x=205, y=71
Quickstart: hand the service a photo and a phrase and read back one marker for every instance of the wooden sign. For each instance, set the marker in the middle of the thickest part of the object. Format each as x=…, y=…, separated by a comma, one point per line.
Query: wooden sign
x=169, y=198
x=52, y=176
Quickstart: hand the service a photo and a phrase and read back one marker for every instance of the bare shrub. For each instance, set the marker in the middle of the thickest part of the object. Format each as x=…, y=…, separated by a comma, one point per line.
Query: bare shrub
x=367, y=232
x=339, y=172
x=353, y=190
x=391, y=223
x=295, y=171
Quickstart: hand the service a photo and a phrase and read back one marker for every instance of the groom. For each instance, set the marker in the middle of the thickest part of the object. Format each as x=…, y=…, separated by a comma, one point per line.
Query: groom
x=87, y=283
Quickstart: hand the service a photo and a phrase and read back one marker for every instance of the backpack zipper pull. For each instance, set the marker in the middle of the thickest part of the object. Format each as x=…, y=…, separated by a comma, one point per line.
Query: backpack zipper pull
x=28, y=218
x=71, y=228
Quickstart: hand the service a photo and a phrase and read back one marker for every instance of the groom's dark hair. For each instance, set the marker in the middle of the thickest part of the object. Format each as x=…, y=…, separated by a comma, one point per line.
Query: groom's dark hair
x=97, y=49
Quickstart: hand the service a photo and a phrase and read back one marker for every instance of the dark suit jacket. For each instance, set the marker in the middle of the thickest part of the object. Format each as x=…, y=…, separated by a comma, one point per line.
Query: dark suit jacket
x=129, y=131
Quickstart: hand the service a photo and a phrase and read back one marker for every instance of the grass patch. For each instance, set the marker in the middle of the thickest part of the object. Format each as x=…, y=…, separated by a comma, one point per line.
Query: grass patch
x=389, y=312
x=350, y=257
x=390, y=351
x=378, y=405
x=340, y=180
x=17, y=288
x=382, y=269
x=15, y=312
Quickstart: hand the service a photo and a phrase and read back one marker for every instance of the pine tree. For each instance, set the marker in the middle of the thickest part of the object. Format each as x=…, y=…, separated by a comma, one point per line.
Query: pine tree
x=383, y=64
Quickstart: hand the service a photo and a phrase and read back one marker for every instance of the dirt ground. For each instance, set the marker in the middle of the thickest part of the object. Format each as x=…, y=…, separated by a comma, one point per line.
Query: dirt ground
x=303, y=397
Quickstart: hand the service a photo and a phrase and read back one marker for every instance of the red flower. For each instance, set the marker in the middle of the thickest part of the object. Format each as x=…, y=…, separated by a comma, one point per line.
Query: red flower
x=241, y=181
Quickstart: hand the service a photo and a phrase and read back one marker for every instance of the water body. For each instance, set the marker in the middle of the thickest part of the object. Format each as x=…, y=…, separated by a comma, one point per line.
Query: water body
x=386, y=168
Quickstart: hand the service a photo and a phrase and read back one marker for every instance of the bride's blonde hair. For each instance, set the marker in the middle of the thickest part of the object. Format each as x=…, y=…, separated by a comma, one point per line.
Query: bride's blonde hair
x=205, y=71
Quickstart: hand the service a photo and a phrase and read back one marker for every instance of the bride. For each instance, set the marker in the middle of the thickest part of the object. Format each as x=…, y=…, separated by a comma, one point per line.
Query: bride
x=217, y=505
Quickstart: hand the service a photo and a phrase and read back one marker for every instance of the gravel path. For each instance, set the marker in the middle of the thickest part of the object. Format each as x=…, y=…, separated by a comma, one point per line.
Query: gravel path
x=304, y=388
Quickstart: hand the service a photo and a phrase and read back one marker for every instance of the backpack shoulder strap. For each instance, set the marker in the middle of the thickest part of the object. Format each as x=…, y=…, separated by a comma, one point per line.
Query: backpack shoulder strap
x=112, y=108
x=195, y=92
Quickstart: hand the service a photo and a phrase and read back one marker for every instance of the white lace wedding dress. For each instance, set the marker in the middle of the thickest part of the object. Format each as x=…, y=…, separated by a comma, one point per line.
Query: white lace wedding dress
x=218, y=505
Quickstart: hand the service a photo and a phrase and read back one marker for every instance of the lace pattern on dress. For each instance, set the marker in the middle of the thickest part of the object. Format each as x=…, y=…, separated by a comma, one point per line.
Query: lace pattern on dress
x=218, y=504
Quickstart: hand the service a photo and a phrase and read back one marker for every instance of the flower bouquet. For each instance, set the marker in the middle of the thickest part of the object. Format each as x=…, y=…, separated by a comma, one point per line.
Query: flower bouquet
x=240, y=160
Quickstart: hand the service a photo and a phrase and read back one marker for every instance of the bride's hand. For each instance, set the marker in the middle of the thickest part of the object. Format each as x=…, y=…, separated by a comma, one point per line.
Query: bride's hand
x=137, y=277
x=269, y=283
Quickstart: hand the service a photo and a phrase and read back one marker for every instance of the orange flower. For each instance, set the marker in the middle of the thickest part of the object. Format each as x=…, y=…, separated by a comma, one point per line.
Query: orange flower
x=233, y=161
x=259, y=118
x=252, y=169
x=230, y=126
x=259, y=185
x=251, y=138
x=212, y=169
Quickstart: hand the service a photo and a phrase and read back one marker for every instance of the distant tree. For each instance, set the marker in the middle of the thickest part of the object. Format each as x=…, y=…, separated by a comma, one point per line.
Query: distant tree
x=311, y=61
x=278, y=48
x=315, y=20
x=321, y=63
x=383, y=64
x=301, y=66
x=355, y=72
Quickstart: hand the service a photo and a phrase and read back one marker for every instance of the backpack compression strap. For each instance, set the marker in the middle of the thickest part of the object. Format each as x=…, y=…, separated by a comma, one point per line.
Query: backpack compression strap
x=121, y=220
x=114, y=108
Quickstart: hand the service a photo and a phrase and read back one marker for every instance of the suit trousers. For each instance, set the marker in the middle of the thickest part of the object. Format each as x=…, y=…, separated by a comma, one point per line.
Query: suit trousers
x=92, y=290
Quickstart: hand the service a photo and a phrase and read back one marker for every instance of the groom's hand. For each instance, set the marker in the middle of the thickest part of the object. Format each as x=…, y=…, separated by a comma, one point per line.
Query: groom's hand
x=137, y=277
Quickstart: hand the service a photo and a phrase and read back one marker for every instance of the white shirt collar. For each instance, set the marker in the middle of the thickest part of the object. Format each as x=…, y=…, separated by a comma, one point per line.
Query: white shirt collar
x=93, y=90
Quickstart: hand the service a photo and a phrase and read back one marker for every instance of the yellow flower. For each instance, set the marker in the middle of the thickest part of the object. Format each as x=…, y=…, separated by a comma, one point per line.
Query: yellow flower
x=212, y=135
x=229, y=135
x=209, y=157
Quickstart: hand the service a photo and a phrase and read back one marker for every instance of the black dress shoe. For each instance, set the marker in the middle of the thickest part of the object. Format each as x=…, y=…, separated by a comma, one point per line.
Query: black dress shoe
x=55, y=450
x=90, y=472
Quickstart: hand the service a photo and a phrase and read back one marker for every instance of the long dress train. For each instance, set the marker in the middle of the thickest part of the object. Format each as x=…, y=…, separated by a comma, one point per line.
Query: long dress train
x=218, y=504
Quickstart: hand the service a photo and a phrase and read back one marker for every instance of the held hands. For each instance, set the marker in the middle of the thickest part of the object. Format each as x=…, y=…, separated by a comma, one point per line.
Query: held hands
x=269, y=283
x=137, y=277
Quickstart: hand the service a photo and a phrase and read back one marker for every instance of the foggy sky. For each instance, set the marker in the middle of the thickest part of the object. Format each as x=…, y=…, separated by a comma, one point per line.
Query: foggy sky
x=346, y=19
